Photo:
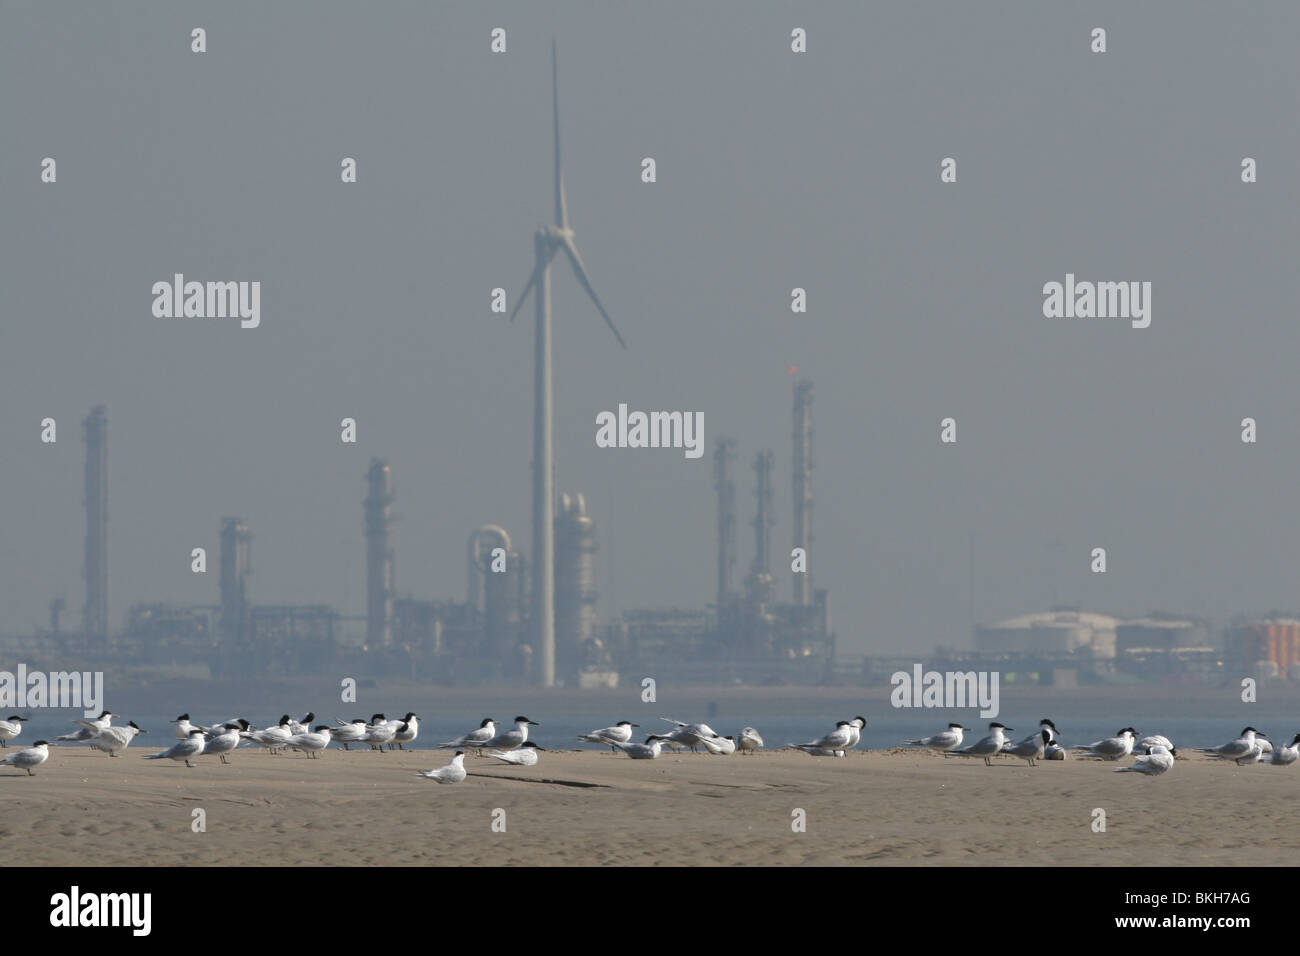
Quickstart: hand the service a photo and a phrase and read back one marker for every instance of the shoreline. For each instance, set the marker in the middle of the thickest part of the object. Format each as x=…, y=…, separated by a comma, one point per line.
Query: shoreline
x=896, y=807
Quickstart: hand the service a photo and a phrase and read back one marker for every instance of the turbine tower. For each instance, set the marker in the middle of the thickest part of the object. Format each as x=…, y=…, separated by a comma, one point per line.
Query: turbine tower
x=547, y=241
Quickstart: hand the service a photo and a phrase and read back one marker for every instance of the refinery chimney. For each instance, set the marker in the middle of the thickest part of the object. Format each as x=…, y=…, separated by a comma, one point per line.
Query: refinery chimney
x=379, y=556
x=759, y=588
x=803, y=495
x=763, y=517
x=95, y=613
x=723, y=454
x=575, y=583
x=235, y=569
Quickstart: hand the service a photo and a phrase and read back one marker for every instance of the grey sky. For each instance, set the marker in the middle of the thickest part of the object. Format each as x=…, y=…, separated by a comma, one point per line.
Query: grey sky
x=775, y=170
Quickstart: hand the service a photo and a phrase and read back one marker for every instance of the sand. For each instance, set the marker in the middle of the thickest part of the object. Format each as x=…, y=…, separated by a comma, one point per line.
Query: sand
x=587, y=807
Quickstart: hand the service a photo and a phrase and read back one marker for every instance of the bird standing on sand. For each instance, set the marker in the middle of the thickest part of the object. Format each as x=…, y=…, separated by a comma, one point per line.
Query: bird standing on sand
x=33, y=756
x=379, y=732
x=1031, y=749
x=837, y=739
x=475, y=739
x=1112, y=748
x=1245, y=749
x=749, y=741
x=186, y=749
x=89, y=728
x=987, y=747
x=350, y=733
x=511, y=739
x=404, y=731
x=620, y=733
x=312, y=742
x=222, y=740
x=9, y=729
x=113, y=739
x=944, y=740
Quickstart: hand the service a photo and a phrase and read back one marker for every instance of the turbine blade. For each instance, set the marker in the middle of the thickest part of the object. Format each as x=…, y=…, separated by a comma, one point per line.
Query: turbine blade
x=581, y=272
x=561, y=212
x=532, y=281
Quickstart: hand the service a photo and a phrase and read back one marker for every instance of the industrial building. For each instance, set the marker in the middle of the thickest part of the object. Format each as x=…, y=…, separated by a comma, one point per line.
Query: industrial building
x=748, y=636
x=1055, y=633
x=1265, y=647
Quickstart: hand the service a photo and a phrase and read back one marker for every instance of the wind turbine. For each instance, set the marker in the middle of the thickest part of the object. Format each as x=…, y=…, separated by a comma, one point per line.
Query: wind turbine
x=547, y=241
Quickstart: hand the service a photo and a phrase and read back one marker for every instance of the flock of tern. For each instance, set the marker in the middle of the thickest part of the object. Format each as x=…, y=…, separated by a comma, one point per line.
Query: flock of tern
x=1153, y=755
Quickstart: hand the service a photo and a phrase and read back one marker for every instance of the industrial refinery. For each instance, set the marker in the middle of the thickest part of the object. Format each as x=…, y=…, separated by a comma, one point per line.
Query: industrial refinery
x=489, y=635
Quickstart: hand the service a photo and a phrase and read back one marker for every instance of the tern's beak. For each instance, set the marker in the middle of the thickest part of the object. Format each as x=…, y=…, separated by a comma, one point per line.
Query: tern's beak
x=636, y=725
x=533, y=723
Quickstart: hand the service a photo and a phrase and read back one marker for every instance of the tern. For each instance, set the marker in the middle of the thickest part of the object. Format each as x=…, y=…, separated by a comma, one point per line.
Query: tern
x=720, y=745
x=856, y=726
x=33, y=756
x=223, y=740
x=404, y=731
x=525, y=756
x=379, y=732
x=1285, y=756
x=943, y=741
x=1043, y=725
x=1244, y=749
x=475, y=738
x=89, y=728
x=183, y=726
x=1111, y=748
x=11, y=728
x=987, y=747
x=1156, y=740
x=1157, y=760
x=620, y=733
x=113, y=739
x=689, y=735
x=312, y=742
x=186, y=749
x=837, y=739
x=302, y=726
x=511, y=739
x=646, y=751
x=454, y=772
x=272, y=738
x=349, y=733
x=749, y=740
x=1032, y=748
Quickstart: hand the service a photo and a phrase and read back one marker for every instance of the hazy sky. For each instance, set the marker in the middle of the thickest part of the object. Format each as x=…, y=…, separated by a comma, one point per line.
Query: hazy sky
x=775, y=170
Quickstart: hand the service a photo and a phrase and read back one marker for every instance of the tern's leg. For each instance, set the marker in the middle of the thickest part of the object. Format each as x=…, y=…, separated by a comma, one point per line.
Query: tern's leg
x=188, y=764
x=29, y=772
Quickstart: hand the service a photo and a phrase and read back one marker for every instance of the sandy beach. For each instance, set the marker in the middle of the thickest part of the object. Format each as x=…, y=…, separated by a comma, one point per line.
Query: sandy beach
x=587, y=807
